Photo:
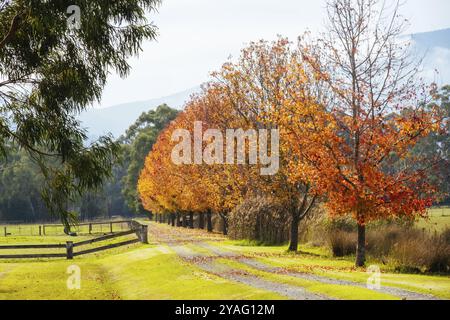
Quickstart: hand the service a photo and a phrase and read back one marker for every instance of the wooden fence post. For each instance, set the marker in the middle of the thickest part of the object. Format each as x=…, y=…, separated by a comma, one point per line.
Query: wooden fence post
x=69, y=250
x=111, y=227
x=144, y=234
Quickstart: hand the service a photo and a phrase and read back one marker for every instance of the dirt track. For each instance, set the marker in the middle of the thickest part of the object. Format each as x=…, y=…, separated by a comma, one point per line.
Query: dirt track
x=202, y=249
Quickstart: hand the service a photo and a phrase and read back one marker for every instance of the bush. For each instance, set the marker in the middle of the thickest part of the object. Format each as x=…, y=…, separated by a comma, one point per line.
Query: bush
x=260, y=219
x=342, y=243
x=382, y=239
x=446, y=236
x=409, y=249
x=425, y=253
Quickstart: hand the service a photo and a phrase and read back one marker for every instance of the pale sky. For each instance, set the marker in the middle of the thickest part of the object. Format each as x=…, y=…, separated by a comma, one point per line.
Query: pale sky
x=197, y=36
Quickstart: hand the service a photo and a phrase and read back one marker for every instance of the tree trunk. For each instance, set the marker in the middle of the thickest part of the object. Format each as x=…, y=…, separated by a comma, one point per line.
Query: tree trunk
x=224, y=224
x=201, y=221
x=361, y=246
x=184, y=222
x=178, y=219
x=172, y=219
x=191, y=220
x=33, y=211
x=293, y=245
x=209, y=221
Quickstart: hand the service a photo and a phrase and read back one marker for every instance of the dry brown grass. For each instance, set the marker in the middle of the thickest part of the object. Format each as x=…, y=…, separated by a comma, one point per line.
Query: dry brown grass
x=408, y=248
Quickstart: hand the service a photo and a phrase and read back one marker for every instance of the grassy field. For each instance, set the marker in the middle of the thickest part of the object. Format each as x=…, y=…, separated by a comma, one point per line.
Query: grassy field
x=439, y=219
x=137, y=272
x=190, y=264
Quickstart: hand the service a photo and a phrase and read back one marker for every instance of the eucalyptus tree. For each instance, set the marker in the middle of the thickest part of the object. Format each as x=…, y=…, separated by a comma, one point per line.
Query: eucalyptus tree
x=54, y=61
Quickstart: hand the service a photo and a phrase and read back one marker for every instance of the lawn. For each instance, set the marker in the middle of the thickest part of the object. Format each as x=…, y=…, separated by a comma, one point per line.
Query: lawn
x=318, y=261
x=439, y=220
x=157, y=271
x=140, y=272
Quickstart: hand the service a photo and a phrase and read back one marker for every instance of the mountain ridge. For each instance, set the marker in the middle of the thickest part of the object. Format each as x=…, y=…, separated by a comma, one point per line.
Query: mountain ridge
x=116, y=119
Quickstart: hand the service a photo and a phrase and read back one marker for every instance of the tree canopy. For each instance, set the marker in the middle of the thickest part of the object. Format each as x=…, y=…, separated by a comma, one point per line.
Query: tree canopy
x=50, y=71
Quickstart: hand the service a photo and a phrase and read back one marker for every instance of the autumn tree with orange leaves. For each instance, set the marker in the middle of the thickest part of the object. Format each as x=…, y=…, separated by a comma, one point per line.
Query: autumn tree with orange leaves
x=374, y=112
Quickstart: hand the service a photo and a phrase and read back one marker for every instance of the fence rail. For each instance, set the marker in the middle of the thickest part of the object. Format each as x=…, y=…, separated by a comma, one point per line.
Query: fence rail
x=107, y=247
x=58, y=229
x=137, y=228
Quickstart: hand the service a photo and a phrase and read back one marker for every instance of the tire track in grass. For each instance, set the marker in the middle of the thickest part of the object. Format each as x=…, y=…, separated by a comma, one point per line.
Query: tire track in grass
x=401, y=293
x=202, y=261
x=178, y=240
x=289, y=291
x=186, y=252
x=216, y=250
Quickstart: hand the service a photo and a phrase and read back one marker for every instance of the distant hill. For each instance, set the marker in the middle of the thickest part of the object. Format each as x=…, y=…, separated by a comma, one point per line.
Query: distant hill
x=429, y=40
x=117, y=119
x=435, y=48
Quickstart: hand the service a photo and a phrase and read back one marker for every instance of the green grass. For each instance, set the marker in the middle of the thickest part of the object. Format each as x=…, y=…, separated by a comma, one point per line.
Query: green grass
x=155, y=272
x=41, y=240
x=31, y=240
x=165, y=276
x=438, y=220
x=317, y=260
x=57, y=230
x=141, y=273
x=438, y=286
x=344, y=270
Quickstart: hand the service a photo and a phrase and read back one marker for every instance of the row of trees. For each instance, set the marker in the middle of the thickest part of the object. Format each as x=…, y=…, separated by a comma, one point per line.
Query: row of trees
x=349, y=111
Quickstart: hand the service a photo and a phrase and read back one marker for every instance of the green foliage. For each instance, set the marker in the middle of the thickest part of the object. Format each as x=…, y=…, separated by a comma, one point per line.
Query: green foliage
x=437, y=146
x=20, y=182
x=137, y=143
x=50, y=72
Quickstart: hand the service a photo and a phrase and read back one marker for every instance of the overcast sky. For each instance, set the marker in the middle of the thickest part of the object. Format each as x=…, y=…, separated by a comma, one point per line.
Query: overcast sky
x=197, y=36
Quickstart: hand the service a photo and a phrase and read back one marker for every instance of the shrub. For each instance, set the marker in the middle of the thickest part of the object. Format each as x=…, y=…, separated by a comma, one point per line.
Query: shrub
x=342, y=224
x=409, y=249
x=382, y=239
x=260, y=219
x=342, y=243
x=446, y=236
x=425, y=253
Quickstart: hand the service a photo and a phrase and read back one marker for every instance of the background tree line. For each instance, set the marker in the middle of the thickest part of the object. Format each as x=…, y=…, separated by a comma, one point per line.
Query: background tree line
x=21, y=179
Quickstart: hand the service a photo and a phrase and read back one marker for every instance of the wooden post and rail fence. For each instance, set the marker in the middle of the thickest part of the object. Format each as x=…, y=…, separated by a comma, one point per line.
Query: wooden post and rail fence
x=46, y=229
x=140, y=230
